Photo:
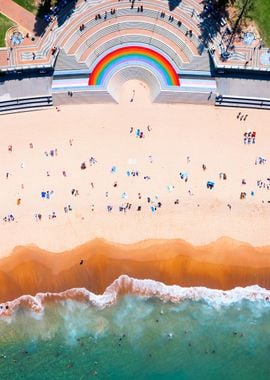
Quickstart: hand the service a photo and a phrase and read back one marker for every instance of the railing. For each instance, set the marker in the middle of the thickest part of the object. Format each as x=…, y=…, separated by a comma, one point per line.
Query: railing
x=241, y=101
x=219, y=66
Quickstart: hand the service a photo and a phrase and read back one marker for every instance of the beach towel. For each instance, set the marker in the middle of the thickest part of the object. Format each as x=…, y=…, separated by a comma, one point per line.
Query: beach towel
x=210, y=184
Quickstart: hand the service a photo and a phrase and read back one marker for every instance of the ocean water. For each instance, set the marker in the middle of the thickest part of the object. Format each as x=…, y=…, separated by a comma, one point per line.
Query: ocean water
x=138, y=337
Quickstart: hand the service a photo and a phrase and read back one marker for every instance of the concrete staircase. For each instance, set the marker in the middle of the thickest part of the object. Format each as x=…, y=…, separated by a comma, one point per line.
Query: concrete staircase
x=243, y=102
x=201, y=63
x=25, y=104
x=68, y=62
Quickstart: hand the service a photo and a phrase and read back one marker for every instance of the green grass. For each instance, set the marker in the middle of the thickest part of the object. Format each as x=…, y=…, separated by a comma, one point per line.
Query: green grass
x=260, y=13
x=27, y=4
x=5, y=24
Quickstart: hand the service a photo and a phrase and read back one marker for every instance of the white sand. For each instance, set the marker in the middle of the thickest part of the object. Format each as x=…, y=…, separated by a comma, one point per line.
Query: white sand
x=210, y=136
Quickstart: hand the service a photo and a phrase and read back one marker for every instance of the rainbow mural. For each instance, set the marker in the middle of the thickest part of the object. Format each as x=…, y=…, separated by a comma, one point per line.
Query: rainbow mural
x=134, y=56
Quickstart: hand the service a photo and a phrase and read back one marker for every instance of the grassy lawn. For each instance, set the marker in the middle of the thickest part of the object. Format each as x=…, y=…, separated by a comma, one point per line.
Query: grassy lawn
x=27, y=4
x=260, y=13
x=5, y=24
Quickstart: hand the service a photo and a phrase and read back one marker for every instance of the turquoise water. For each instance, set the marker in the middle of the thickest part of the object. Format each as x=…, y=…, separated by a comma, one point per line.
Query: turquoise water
x=140, y=338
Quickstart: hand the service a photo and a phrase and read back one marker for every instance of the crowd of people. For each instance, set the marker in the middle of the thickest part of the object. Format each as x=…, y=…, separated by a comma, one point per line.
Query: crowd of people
x=126, y=203
x=249, y=137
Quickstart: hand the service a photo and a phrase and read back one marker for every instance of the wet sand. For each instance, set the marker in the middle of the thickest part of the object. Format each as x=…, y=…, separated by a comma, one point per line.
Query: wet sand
x=223, y=264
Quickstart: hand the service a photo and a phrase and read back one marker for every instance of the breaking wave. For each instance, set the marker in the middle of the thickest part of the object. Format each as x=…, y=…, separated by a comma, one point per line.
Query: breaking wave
x=145, y=288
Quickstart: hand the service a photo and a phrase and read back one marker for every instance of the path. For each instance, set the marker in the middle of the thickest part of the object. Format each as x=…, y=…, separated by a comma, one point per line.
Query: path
x=18, y=14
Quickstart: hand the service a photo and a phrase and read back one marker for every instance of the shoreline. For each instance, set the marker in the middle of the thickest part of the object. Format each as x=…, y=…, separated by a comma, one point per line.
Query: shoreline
x=223, y=264
x=125, y=285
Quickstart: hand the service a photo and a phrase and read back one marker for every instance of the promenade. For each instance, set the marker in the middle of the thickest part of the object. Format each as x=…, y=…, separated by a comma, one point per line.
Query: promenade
x=19, y=15
x=183, y=33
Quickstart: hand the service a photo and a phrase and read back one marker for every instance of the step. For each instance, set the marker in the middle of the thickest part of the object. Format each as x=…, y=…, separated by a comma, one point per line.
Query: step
x=25, y=104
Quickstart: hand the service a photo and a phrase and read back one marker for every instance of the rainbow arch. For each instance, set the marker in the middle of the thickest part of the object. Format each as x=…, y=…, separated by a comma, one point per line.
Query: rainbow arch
x=138, y=56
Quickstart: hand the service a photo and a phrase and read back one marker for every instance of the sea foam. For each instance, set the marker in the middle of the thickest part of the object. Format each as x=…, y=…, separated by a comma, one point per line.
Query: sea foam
x=145, y=288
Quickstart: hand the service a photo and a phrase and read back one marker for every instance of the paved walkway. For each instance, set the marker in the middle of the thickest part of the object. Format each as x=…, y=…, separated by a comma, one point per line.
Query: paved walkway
x=23, y=87
x=72, y=40
x=19, y=15
x=248, y=87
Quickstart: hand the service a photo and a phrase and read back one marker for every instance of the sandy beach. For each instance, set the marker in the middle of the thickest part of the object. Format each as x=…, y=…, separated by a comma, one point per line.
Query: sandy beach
x=82, y=173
